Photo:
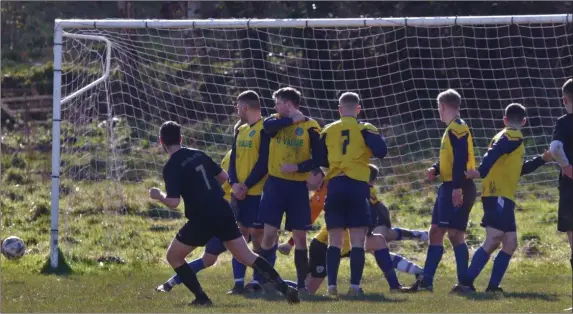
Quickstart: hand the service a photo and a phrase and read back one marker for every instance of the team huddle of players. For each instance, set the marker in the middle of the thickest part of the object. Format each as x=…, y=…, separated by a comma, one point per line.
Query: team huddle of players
x=274, y=162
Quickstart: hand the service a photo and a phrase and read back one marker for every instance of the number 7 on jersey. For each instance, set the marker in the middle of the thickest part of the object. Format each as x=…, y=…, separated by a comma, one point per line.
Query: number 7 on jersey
x=346, y=135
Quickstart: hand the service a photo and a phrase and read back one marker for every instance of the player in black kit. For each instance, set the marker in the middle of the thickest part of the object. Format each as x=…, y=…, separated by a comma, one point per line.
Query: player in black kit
x=562, y=151
x=194, y=176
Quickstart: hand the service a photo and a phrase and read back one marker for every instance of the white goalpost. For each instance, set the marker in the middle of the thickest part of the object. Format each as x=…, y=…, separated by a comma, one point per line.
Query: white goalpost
x=116, y=81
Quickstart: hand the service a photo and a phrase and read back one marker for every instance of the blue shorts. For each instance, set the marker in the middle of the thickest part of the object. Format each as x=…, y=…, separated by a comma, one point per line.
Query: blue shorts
x=445, y=215
x=498, y=213
x=288, y=197
x=215, y=246
x=248, y=212
x=347, y=203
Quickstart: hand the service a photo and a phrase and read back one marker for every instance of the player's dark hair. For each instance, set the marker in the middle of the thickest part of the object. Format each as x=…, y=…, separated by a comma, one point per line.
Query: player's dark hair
x=251, y=98
x=317, y=171
x=515, y=113
x=450, y=98
x=170, y=133
x=567, y=88
x=288, y=94
x=349, y=99
x=373, y=172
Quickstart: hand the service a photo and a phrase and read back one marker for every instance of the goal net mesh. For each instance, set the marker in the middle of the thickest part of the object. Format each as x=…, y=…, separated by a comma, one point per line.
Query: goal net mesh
x=110, y=152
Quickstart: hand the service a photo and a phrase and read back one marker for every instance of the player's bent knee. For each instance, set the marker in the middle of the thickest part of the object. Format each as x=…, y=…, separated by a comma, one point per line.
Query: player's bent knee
x=375, y=242
x=209, y=259
x=509, y=242
x=456, y=236
x=436, y=235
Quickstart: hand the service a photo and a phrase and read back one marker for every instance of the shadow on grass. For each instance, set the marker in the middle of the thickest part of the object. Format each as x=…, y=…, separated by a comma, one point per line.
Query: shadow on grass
x=484, y=296
x=370, y=297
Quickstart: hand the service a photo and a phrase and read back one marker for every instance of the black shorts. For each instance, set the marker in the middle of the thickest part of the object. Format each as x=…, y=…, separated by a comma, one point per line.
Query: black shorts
x=219, y=222
x=565, y=211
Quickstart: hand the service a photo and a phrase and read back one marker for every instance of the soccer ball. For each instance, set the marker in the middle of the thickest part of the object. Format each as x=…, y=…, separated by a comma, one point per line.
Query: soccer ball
x=13, y=248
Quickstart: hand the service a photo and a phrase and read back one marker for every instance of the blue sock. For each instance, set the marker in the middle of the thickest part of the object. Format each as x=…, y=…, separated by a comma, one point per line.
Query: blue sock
x=433, y=259
x=291, y=283
x=332, y=264
x=399, y=233
x=479, y=260
x=500, y=265
x=385, y=263
x=239, y=271
x=357, y=261
x=396, y=259
x=462, y=258
x=196, y=265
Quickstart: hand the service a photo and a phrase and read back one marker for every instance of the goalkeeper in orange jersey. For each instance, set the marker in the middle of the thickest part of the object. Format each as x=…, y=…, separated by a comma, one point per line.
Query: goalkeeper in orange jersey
x=380, y=225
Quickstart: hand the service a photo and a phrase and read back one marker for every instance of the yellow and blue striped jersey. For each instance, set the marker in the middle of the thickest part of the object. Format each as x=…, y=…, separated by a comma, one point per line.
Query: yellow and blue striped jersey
x=249, y=159
x=291, y=143
x=349, y=145
x=502, y=165
x=456, y=153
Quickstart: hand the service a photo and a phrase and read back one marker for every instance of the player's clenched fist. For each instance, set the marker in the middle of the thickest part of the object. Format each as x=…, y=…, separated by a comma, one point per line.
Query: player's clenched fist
x=155, y=193
x=473, y=174
x=431, y=173
x=239, y=190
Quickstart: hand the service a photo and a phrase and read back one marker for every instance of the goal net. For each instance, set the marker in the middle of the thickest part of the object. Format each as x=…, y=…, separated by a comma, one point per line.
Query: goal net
x=191, y=72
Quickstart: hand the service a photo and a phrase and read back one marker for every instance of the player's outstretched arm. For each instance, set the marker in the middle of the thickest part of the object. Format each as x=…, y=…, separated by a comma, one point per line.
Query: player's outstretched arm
x=459, y=141
x=532, y=165
x=260, y=169
x=374, y=141
x=273, y=124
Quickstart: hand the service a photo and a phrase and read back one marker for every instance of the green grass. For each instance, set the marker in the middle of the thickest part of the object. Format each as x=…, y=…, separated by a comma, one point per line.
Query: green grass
x=115, y=239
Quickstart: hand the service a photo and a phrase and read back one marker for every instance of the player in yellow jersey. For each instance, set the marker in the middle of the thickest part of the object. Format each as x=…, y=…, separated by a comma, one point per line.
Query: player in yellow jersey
x=294, y=142
x=248, y=172
x=456, y=195
x=347, y=146
x=501, y=169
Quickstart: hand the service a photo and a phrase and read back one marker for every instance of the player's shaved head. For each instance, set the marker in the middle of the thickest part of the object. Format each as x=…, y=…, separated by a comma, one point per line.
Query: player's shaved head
x=170, y=133
x=373, y=172
x=250, y=98
x=515, y=113
x=450, y=98
x=288, y=94
x=349, y=100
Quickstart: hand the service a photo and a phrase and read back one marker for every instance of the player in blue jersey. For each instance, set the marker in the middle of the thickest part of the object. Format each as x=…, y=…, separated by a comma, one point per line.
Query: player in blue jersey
x=501, y=168
x=294, y=142
x=562, y=151
x=456, y=195
x=192, y=175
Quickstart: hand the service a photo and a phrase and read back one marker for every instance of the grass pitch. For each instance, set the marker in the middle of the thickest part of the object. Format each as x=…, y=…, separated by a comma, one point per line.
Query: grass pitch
x=115, y=243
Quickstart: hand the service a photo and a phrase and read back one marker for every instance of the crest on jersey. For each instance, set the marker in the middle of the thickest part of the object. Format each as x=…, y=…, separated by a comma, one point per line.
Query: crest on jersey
x=298, y=131
x=252, y=133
